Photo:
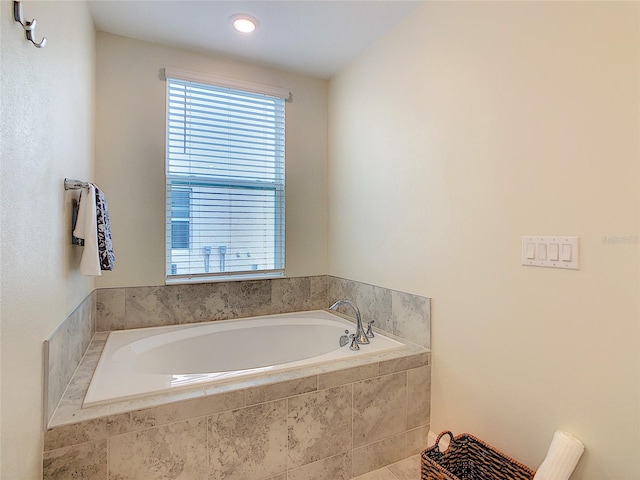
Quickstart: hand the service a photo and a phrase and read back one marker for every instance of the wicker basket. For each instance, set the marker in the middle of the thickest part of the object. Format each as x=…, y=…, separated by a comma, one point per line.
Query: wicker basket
x=469, y=458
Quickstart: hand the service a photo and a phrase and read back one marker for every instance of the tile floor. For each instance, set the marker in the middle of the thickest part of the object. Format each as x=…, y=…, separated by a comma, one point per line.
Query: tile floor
x=408, y=469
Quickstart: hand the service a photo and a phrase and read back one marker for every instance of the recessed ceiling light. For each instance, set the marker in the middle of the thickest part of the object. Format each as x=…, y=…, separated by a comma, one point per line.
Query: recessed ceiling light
x=244, y=23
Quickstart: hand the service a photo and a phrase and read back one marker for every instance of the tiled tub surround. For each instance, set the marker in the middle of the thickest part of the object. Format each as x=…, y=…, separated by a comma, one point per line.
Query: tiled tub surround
x=137, y=307
x=332, y=421
x=63, y=351
x=402, y=314
x=399, y=313
x=78, y=439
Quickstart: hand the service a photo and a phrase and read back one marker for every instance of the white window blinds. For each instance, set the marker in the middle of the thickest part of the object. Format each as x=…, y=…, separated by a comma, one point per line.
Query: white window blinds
x=225, y=182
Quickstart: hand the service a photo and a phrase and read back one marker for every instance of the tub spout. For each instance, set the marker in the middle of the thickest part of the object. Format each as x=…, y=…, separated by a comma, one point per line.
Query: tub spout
x=360, y=335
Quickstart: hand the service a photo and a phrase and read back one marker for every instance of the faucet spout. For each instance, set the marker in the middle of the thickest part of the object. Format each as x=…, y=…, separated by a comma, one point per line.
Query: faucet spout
x=360, y=335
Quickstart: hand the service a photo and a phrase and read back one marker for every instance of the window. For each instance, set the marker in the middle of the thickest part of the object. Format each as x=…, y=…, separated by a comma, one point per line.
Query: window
x=225, y=181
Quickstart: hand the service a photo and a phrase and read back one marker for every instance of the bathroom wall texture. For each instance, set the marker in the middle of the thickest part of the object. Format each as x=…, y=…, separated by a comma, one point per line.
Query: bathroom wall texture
x=467, y=127
x=46, y=126
x=130, y=161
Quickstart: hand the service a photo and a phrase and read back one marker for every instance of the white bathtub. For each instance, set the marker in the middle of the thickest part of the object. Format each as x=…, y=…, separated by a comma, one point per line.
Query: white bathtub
x=152, y=360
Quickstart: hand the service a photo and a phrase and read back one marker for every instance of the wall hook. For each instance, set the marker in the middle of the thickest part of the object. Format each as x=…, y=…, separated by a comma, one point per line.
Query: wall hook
x=29, y=27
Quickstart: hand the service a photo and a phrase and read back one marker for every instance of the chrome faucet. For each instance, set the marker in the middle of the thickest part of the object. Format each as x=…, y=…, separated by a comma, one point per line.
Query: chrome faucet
x=360, y=335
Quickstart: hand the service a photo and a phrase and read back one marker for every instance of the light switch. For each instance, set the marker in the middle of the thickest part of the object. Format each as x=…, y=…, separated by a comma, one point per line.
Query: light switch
x=542, y=251
x=531, y=250
x=554, y=252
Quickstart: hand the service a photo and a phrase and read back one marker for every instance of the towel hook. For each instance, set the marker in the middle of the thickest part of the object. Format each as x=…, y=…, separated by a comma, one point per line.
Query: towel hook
x=29, y=26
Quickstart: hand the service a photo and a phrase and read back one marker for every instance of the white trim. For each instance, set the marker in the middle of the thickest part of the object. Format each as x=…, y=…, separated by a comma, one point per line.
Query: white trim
x=187, y=75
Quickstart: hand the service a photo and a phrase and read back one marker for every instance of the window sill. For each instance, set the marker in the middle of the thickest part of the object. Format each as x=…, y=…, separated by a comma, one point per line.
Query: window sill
x=180, y=280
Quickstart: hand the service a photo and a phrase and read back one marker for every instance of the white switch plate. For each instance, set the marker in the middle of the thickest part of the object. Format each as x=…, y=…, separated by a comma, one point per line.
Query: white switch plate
x=567, y=248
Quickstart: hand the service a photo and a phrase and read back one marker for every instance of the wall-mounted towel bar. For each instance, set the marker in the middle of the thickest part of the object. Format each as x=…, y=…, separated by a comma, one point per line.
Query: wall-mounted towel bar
x=70, y=184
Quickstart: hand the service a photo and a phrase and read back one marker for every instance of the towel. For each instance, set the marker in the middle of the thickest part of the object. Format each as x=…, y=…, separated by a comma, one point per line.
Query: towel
x=105, y=248
x=87, y=230
x=562, y=457
x=75, y=207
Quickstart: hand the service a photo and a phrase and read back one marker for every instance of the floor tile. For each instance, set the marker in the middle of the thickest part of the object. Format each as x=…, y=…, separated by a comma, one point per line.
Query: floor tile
x=408, y=469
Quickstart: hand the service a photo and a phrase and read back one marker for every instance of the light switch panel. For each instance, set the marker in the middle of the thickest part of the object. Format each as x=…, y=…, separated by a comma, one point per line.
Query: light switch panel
x=554, y=252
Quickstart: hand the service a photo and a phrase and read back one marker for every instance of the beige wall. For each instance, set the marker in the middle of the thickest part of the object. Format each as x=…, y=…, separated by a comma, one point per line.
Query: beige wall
x=471, y=125
x=47, y=134
x=130, y=162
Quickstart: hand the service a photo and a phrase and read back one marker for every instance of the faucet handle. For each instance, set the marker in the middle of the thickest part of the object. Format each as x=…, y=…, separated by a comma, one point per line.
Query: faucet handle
x=369, y=332
x=344, y=339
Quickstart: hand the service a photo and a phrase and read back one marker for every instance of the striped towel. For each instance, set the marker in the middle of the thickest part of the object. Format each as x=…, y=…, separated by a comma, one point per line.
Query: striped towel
x=105, y=248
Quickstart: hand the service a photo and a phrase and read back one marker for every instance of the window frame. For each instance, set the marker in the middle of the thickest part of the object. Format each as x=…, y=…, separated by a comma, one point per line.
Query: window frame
x=181, y=182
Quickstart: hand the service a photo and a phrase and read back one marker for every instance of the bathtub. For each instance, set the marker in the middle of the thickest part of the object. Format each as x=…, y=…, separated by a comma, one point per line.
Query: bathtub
x=147, y=361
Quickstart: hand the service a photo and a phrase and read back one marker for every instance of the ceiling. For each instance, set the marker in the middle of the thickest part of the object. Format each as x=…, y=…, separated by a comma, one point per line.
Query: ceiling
x=310, y=37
